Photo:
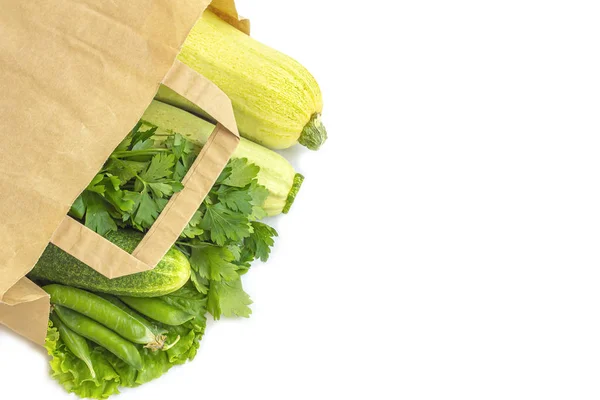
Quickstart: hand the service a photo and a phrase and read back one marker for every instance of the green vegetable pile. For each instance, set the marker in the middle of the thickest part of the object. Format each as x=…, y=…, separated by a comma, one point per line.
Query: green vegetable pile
x=100, y=342
x=92, y=339
x=223, y=237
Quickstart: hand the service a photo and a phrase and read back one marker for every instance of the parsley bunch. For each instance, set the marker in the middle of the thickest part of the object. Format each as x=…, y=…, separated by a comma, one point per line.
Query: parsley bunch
x=224, y=236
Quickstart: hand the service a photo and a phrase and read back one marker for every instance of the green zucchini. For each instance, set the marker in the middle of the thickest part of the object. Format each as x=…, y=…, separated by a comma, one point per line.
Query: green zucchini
x=276, y=173
x=170, y=274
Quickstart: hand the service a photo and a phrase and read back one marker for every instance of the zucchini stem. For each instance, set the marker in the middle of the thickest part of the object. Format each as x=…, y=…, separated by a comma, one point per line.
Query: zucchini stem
x=298, y=179
x=314, y=133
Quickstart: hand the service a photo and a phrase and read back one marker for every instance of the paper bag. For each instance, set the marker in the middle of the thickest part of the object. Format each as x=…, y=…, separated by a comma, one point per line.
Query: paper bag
x=75, y=77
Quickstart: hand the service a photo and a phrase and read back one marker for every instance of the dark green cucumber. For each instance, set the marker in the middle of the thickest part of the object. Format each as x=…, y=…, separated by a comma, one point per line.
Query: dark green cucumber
x=169, y=275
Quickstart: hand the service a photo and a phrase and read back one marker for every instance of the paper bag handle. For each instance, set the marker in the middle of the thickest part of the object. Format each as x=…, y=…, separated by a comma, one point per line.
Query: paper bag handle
x=110, y=260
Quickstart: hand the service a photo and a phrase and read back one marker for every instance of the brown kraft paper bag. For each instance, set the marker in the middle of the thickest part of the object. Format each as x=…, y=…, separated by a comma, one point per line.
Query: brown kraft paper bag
x=75, y=77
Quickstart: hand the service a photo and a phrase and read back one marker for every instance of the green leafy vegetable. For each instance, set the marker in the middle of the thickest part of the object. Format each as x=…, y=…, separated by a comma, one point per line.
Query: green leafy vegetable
x=239, y=173
x=74, y=375
x=213, y=262
x=224, y=224
x=223, y=237
x=97, y=217
x=260, y=241
x=229, y=299
x=221, y=241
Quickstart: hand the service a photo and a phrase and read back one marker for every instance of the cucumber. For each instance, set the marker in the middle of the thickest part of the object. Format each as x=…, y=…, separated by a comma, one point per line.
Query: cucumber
x=170, y=274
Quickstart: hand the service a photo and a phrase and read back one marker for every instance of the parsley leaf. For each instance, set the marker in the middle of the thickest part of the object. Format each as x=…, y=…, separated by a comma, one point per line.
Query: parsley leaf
x=120, y=199
x=138, y=137
x=261, y=240
x=229, y=299
x=225, y=174
x=235, y=199
x=78, y=208
x=97, y=217
x=164, y=189
x=96, y=185
x=192, y=230
x=214, y=263
x=160, y=167
x=224, y=224
x=259, y=194
x=242, y=173
x=125, y=170
x=146, y=211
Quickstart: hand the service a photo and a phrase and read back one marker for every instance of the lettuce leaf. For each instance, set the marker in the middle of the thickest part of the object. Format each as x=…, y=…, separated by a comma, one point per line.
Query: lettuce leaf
x=111, y=372
x=193, y=302
x=74, y=375
x=156, y=364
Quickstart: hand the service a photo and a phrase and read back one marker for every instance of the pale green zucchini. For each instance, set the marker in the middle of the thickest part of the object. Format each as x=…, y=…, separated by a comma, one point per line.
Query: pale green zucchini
x=276, y=101
x=276, y=173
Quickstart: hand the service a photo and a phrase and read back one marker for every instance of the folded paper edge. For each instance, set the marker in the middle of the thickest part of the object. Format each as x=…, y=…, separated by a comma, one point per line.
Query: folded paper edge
x=25, y=310
x=227, y=10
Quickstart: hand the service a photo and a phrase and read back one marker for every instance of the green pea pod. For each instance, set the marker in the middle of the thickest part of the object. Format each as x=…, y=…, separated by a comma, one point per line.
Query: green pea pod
x=158, y=310
x=77, y=344
x=161, y=334
x=106, y=313
x=117, y=302
x=101, y=335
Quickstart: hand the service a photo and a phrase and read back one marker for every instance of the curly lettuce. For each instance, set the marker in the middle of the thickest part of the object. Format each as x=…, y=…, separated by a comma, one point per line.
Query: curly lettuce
x=74, y=375
x=111, y=372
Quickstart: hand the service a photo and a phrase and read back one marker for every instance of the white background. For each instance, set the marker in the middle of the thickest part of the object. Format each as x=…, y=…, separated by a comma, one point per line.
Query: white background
x=445, y=242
